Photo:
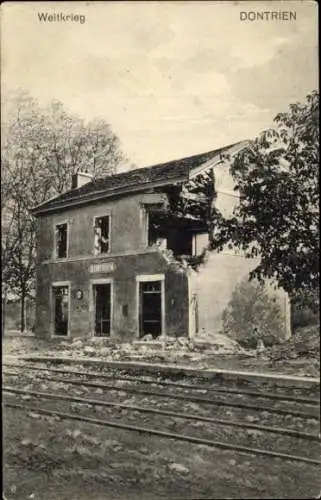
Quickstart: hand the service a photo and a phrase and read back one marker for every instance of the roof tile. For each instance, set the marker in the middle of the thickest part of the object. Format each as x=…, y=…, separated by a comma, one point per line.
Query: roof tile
x=111, y=184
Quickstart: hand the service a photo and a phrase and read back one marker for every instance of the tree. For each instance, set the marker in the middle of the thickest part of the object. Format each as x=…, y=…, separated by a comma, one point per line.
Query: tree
x=41, y=149
x=277, y=217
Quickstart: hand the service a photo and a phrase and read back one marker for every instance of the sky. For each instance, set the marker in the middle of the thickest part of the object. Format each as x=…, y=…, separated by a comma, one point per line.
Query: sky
x=173, y=79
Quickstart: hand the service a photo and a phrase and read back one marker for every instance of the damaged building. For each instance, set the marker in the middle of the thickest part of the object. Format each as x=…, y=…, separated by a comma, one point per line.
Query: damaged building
x=115, y=254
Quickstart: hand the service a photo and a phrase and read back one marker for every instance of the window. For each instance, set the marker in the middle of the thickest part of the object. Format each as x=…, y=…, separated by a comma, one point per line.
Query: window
x=61, y=240
x=101, y=227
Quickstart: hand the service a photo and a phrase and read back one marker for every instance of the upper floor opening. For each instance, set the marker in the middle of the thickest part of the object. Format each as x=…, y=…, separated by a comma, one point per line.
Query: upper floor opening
x=61, y=240
x=184, y=237
x=102, y=235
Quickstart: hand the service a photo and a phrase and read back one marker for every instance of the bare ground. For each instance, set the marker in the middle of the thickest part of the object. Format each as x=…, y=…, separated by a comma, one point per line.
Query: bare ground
x=52, y=459
x=49, y=459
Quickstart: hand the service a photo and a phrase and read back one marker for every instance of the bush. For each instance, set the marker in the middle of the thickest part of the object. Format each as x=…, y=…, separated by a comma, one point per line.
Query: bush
x=305, y=310
x=252, y=307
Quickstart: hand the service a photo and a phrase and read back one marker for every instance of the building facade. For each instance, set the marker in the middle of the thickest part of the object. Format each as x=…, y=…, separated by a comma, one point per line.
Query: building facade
x=113, y=258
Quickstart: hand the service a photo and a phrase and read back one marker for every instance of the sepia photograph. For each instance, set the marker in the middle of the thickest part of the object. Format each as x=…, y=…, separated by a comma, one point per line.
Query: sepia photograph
x=160, y=250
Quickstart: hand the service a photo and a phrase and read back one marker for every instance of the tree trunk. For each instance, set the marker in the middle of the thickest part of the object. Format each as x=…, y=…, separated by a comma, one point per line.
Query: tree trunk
x=4, y=303
x=23, y=312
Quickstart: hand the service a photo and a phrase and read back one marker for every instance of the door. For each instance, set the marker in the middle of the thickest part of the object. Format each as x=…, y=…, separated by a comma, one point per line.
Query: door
x=61, y=310
x=150, y=294
x=102, y=301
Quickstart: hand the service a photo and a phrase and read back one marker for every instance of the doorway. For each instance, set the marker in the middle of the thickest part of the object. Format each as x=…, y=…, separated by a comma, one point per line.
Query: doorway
x=61, y=310
x=150, y=308
x=102, y=309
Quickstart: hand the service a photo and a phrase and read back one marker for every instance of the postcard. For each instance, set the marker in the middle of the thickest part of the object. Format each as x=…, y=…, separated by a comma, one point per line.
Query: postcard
x=160, y=250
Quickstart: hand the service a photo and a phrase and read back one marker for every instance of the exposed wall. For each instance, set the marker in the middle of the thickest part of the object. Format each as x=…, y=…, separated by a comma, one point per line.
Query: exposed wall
x=214, y=283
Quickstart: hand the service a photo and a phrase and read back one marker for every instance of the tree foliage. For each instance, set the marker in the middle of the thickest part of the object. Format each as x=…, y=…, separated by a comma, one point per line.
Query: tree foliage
x=41, y=149
x=305, y=309
x=277, y=217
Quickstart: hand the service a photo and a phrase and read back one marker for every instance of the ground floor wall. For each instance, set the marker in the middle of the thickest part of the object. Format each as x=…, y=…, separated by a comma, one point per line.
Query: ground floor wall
x=191, y=302
x=123, y=273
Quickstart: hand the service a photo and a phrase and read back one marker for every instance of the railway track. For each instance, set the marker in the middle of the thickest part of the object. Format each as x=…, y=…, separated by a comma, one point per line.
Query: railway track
x=278, y=408
x=171, y=409
x=210, y=388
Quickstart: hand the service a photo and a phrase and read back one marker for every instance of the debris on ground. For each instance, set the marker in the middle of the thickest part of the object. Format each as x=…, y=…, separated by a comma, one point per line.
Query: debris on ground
x=300, y=355
x=302, y=344
x=178, y=468
x=218, y=342
x=301, y=351
x=170, y=349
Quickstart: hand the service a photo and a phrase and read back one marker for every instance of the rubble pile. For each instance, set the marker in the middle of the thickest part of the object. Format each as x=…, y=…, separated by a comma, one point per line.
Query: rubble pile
x=221, y=344
x=168, y=349
x=299, y=356
x=305, y=343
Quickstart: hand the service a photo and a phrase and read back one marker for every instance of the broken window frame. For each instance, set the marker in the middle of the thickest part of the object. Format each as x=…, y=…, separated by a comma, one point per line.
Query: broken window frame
x=160, y=242
x=165, y=239
x=98, y=244
x=57, y=253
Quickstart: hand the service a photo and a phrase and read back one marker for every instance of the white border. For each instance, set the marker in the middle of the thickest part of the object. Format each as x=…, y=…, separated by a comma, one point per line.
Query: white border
x=56, y=284
x=143, y=278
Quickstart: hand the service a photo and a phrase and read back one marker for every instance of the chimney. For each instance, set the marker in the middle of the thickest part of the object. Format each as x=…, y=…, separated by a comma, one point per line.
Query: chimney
x=79, y=179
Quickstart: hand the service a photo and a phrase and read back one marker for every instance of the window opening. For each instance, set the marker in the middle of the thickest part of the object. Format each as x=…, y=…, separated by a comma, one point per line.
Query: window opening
x=61, y=241
x=102, y=225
